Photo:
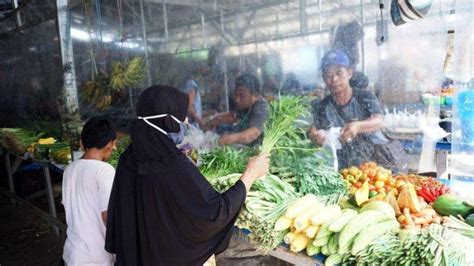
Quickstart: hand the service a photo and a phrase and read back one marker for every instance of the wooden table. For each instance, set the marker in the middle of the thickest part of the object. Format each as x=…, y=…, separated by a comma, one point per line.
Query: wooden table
x=12, y=167
x=282, y=252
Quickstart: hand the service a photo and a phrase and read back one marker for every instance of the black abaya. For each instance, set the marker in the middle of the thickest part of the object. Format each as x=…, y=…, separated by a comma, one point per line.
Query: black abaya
x=162, y=211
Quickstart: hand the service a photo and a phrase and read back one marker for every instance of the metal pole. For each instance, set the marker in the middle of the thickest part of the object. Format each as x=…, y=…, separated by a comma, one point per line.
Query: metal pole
x=320, y=16
x=64, y=31
x=165, y=19
x=362, y=7
x=303, y=17
x=19, y=22
x=49, y=188
x=8, y=167
x=226, y=85
x=203, y=28
x=145, y=42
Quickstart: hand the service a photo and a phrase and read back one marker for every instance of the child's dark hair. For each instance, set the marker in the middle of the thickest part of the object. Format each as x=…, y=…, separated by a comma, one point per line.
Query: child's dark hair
x=97, y=133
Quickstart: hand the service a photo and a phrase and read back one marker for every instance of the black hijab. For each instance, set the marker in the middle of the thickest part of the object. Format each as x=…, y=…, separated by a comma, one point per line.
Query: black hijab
x=162, y=211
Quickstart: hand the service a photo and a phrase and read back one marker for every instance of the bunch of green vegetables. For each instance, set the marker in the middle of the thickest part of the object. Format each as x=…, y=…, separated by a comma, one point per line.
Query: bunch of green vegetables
x=17, y=139
x=459, y=226
x=291, y=147
x=314, y=176
x=269, y=200
x=265, y=203
x=434, y=245
x=224, y=161
x=120, y=147
x=283, y=113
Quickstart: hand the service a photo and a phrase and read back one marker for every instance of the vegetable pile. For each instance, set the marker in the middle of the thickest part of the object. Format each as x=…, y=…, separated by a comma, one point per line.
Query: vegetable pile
x=426, y=187
x=266, y=201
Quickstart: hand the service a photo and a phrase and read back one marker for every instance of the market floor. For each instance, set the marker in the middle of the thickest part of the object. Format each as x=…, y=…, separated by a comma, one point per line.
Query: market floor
x=25, y=239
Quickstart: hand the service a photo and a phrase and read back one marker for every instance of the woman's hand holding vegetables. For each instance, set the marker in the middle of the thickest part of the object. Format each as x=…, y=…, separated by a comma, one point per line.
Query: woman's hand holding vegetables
x=257, y=167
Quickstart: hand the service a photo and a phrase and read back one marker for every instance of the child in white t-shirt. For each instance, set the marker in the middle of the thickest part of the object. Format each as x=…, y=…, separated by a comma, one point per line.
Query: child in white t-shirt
x=87, y=183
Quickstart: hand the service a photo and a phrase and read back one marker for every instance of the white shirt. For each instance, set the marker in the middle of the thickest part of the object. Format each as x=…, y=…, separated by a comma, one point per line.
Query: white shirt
x=86, y=190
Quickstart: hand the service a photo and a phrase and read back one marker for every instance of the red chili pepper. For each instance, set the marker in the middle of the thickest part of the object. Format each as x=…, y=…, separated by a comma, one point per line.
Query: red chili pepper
x=424, y=196
x=429, y=194
x=443, y=189
x=435, y=192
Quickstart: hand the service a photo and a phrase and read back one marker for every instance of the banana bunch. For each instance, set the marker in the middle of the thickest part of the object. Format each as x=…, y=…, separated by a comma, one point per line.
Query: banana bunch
x=135, y=72
x=103, y=102
x=118, y=80
x=62, y=156
x=47, y=141
x=90, y=90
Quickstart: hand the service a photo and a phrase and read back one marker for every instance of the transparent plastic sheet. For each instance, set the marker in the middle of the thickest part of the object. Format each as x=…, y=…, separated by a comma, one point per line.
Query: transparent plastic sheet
x=462, y=152
x=31, y=70
x=29, y=14
x=279, y=43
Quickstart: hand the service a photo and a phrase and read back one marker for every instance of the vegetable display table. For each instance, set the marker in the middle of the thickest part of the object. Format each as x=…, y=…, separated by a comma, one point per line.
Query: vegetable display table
x=12, y=167
x=282, y=252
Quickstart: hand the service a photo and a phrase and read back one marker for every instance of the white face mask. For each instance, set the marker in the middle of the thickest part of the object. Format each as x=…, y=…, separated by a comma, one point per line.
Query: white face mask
x=177, y=138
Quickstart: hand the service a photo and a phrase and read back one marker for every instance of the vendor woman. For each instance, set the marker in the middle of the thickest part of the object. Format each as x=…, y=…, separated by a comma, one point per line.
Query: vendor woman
x=162, y=211
x=248, y=122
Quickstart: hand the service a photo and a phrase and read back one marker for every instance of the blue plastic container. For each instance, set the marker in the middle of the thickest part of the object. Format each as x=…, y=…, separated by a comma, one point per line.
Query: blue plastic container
x=465, y=104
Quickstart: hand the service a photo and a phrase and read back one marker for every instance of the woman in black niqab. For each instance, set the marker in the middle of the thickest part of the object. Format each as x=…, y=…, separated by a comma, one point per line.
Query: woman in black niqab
x=162, y=211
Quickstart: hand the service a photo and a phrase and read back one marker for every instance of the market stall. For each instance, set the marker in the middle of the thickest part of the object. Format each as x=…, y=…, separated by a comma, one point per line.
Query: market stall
x=102, y=54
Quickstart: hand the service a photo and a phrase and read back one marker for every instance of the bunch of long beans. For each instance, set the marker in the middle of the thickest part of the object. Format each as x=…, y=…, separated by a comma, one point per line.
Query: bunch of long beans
x=434, y=245
x=459, y=226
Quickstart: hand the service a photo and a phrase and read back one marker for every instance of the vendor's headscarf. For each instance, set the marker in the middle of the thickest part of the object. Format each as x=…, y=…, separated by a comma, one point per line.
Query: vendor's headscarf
x=149, y=144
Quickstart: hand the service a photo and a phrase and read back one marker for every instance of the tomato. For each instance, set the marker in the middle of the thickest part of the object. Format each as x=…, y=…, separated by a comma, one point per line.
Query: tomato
x=372, y=194
x=388, y=188
x=354, y=170
x=372, y=164
x=357, y=184
x=345, y=172
x=392, y=183
x=382, y=175
x=371, y=173
x=381, y=190
x=379, y=184
x=372, y=187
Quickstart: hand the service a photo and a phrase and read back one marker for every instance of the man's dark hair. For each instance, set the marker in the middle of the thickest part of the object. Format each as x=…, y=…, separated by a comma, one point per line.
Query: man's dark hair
x=249, y=81
x=97, y=133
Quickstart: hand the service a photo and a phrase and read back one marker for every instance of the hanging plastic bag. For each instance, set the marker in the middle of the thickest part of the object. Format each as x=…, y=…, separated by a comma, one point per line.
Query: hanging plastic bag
x=329, y=150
